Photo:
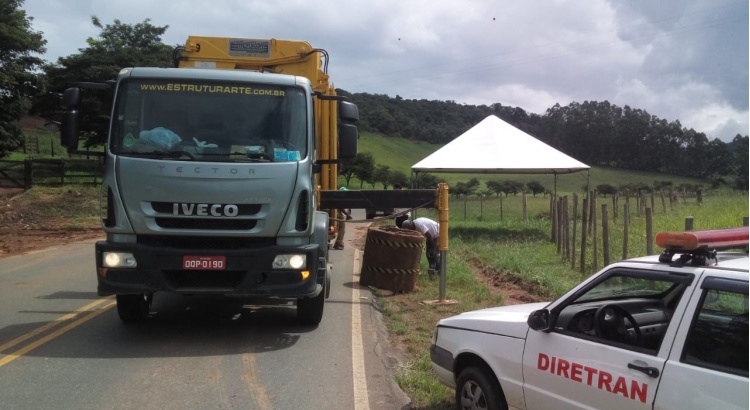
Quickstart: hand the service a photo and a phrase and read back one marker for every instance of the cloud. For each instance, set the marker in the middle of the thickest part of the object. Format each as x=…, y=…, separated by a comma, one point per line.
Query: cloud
x=685, y=60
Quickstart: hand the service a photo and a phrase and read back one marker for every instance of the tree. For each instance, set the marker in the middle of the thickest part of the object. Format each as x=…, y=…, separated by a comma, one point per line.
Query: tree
x=119, y=45
x=740, y=161
x=495, y=186
x=362, y=166
x=535, y=187
x=425, y=181
x=461, y=189
x=606, y=189
x=383, y=175
x=511, y=187
x=399, y=177
x=365, y=167
x=17, y=71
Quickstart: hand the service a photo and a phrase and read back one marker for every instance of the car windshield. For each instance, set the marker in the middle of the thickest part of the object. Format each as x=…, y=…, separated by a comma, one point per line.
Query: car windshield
x=209, y=121
x=617, y=286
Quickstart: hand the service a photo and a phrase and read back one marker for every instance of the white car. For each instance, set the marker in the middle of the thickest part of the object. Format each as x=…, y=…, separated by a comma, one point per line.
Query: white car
x=659, y=332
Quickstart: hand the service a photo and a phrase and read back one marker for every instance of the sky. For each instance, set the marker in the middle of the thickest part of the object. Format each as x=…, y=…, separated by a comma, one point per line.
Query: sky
x=679, y=60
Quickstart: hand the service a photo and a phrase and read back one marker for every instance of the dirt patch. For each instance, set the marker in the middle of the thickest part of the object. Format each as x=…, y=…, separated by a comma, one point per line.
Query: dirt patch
x=25, y=225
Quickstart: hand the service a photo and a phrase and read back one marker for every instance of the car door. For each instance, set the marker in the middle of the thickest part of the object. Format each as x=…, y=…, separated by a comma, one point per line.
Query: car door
x=708, y=365
x=574, y=367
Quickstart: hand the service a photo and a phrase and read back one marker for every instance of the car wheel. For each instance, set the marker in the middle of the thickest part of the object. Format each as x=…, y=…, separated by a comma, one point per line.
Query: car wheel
x=477, y=389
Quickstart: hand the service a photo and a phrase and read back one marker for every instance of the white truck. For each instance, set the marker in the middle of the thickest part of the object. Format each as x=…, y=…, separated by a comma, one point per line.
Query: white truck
x=659, y=332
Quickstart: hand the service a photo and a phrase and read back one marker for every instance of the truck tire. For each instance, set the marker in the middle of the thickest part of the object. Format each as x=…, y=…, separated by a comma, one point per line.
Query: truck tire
x=133, y=308
x=478, y=389
x=310, y=310
x=370, y=215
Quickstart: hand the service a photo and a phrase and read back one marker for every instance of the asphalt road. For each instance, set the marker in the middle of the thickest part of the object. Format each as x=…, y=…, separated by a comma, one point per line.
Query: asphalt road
x=63, y=347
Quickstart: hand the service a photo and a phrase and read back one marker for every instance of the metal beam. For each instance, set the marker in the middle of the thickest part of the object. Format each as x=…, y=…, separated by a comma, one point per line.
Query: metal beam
x=378, y=198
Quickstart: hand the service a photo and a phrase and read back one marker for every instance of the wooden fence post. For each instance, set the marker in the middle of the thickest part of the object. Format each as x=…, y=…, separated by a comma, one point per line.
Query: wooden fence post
x=553, y=218
x=566, y=227
x=605, y=234
x=625, y=223
x=575, y=223
x=584, y=228
x=559, y=230
x=595, y=251
x=649, y=232
x=689, y=223
x=614, y=206
x=652, y=201
x=525, y=208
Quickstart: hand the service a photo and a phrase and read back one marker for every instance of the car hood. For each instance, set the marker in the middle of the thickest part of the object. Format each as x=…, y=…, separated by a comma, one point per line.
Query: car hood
x=503, y=320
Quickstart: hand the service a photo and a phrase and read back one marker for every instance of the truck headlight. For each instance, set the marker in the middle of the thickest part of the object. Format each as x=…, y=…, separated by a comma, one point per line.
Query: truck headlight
x=435, y=335
x=118, y=260
x=297, y=261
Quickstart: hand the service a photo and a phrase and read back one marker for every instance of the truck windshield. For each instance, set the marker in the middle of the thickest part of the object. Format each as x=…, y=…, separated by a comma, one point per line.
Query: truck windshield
x=209, y=121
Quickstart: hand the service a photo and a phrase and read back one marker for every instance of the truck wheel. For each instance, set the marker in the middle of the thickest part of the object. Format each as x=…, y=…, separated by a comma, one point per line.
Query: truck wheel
x=310, y=310
x=478, y=389
x=133, y=308
x=370, y=216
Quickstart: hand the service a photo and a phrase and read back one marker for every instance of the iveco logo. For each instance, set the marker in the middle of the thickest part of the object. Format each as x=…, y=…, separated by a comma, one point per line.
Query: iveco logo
x=205, y=209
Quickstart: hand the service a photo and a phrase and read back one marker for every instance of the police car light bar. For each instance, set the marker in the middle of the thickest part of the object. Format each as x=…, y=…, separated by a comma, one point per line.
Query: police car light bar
x=694, y=240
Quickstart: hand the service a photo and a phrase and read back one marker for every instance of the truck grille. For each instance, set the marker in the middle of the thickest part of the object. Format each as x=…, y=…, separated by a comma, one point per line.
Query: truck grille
x=204, y=242
x=203, y=223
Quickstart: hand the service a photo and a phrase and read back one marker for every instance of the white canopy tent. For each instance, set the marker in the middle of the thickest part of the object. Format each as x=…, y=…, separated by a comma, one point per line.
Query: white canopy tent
x=495, y=147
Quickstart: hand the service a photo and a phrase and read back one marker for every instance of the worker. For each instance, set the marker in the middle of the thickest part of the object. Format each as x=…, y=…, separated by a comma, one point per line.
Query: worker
x=343, y=214
x=402, y=214
x=431, y=231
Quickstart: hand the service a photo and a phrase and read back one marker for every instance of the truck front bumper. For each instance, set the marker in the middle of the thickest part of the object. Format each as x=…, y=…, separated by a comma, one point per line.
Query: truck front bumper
x=247, y=272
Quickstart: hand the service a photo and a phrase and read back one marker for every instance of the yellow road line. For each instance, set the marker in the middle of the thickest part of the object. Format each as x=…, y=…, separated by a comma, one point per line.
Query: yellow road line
x=257, y=391
x=53, y=323
x=31, y=346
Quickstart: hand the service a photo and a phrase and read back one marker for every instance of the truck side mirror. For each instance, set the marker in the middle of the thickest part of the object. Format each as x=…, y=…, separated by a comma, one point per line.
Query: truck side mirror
x=72, y=97
x=348, y=135
x=71, y=118
x=348, y=111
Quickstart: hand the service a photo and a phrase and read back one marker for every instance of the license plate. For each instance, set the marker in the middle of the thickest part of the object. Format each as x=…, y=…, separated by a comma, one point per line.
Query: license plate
x=190, y=262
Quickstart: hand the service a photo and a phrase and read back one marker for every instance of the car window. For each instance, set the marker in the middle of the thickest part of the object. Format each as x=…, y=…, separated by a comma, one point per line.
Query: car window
x=625, y=308
x=617, y=286
x=718, y=337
